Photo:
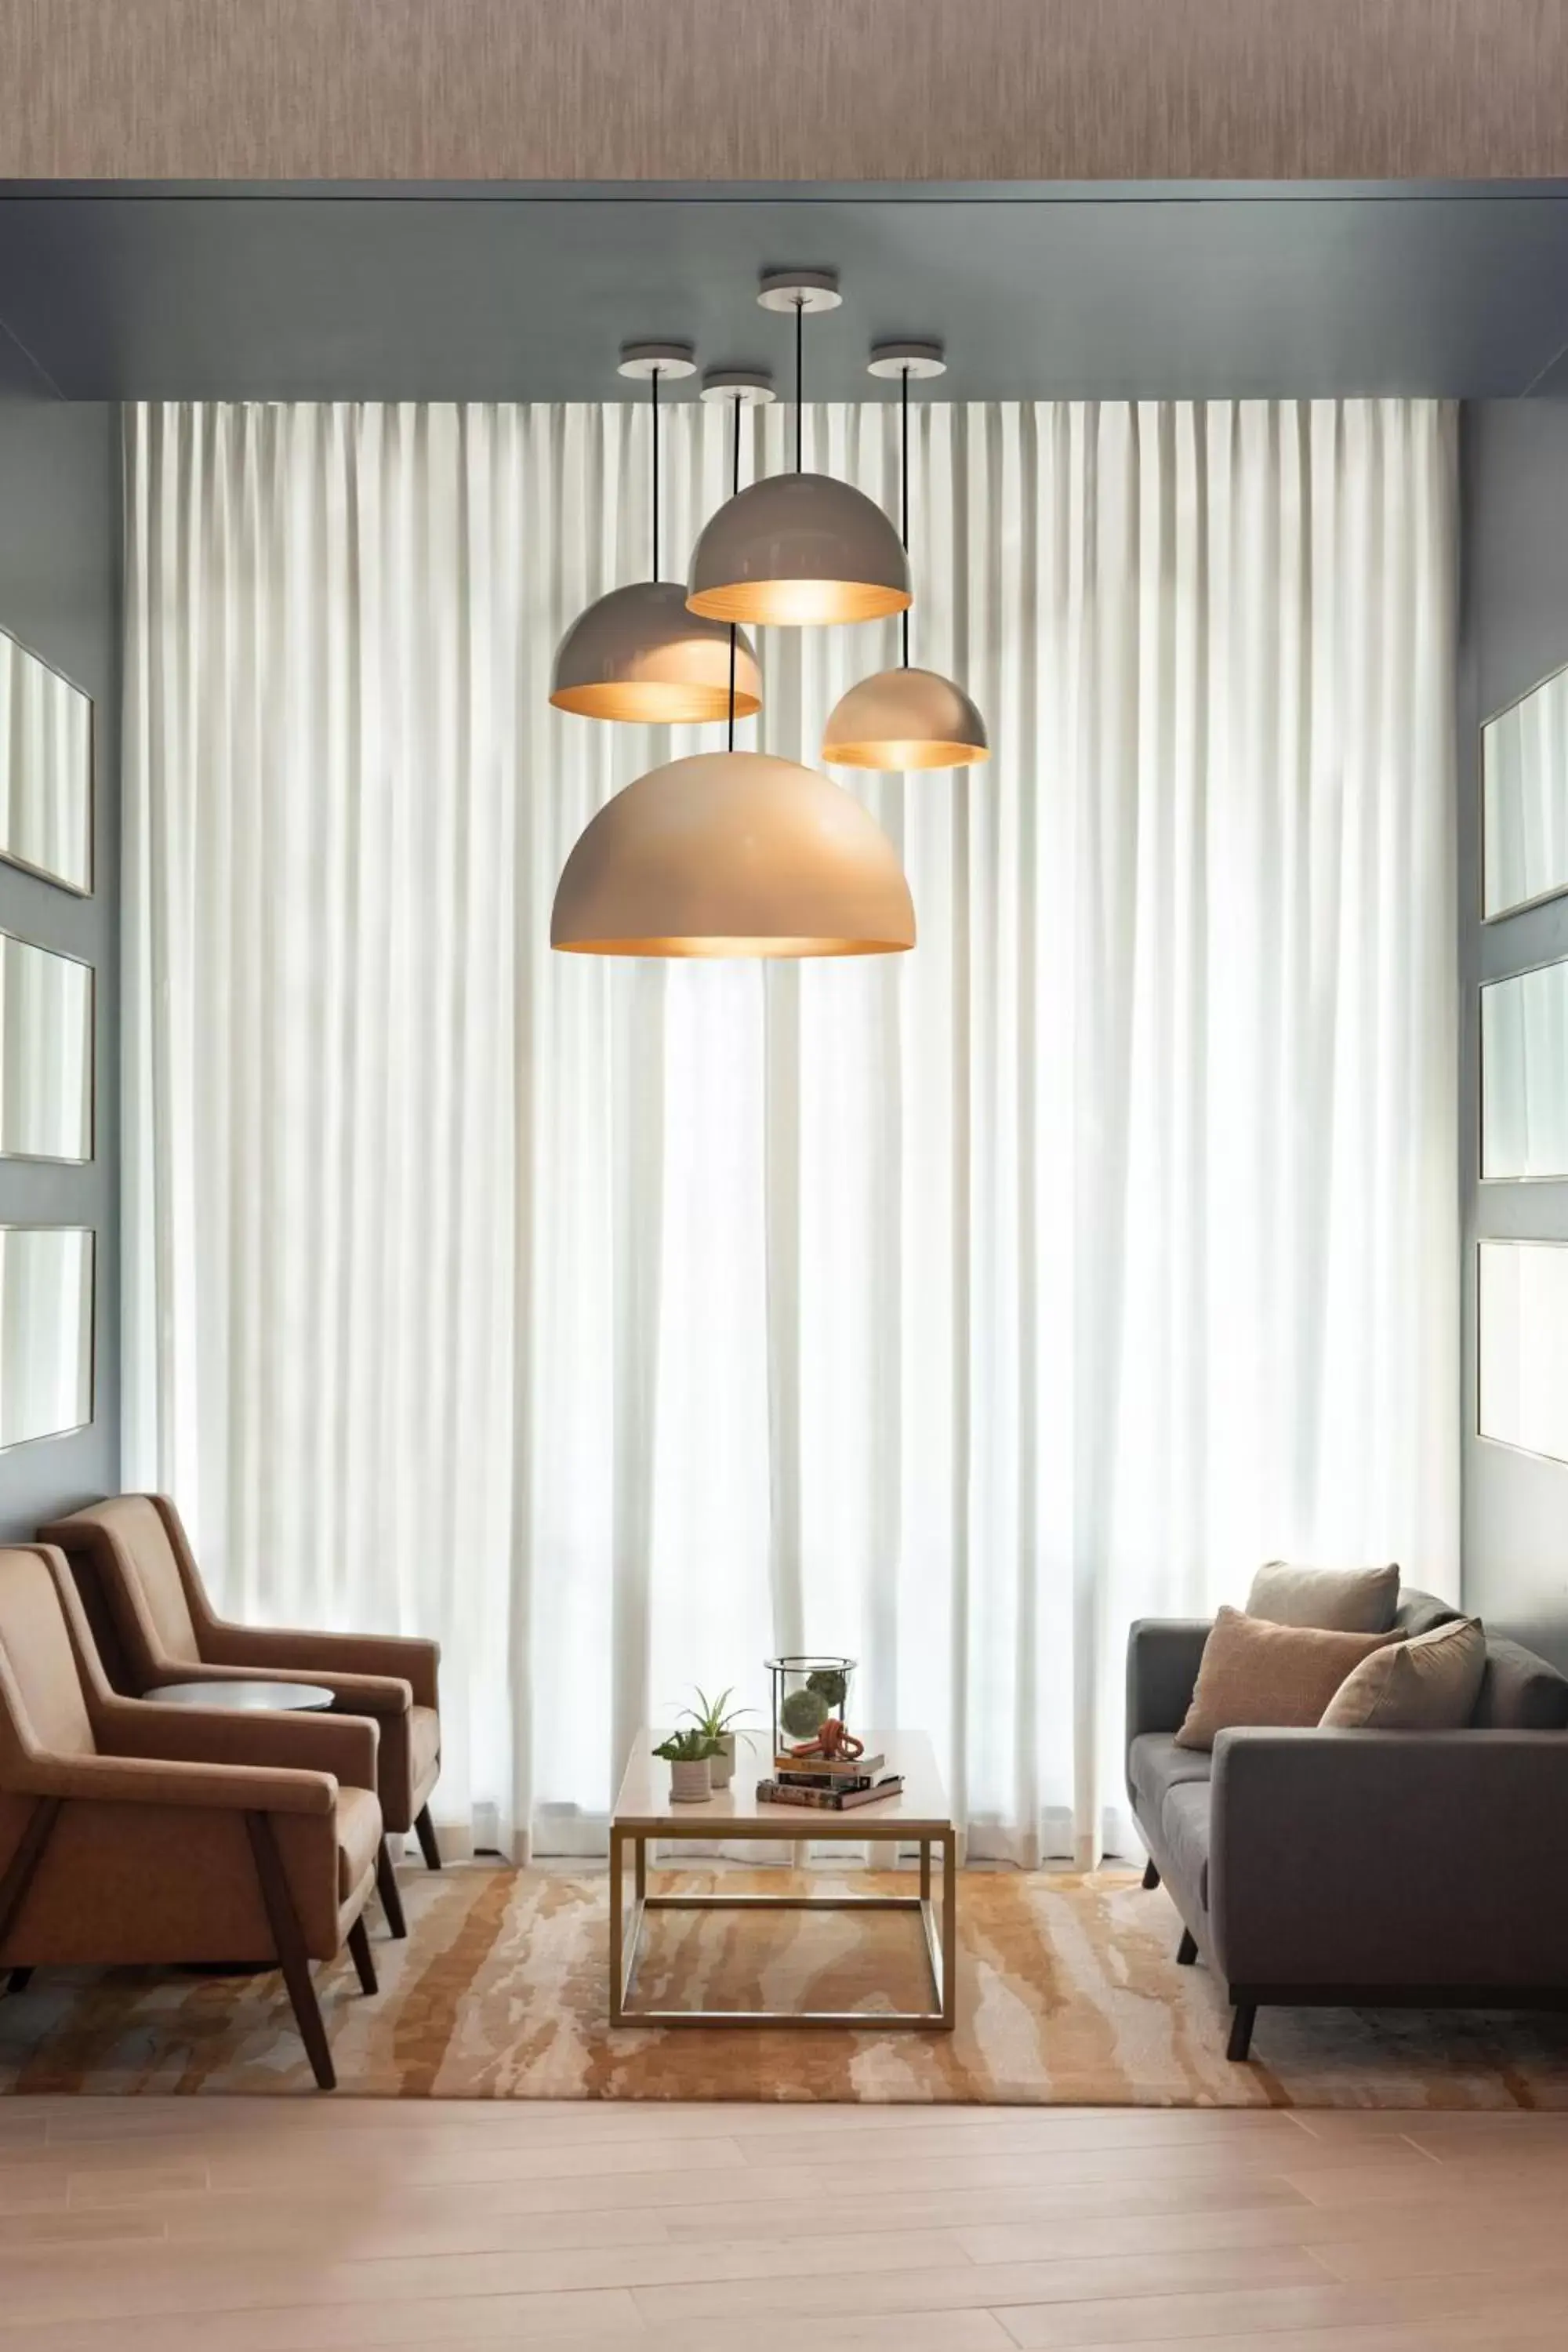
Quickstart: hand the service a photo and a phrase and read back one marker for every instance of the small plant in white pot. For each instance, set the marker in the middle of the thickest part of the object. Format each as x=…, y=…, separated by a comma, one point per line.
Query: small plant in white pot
x=689, y=1756
x=710, y=1717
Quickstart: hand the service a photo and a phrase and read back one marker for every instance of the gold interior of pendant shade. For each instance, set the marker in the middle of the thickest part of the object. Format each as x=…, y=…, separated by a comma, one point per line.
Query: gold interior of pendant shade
x=905, y=718
x=639, y=655
x=733, y=853
x=800, y=604
x=799, y=550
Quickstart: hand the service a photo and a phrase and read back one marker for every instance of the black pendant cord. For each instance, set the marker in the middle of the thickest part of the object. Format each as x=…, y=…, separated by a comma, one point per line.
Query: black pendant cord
x=734, y=632
x=653, y=417
x=799, y=380
x=904, y=493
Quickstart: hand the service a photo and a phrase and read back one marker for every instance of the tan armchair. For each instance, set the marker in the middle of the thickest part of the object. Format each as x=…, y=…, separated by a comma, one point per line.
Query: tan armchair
x=142, y=1835
x=134, y=1550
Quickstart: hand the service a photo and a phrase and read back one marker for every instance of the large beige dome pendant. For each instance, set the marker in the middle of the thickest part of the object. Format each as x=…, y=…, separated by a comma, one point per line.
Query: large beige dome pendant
x=733, y=854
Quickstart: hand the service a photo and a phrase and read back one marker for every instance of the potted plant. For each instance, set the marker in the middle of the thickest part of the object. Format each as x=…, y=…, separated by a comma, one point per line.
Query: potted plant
x=689, y=1756
x=711, y=1718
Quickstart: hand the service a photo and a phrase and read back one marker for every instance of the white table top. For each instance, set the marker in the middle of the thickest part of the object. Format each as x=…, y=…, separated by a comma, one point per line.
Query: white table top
x=920, y=1811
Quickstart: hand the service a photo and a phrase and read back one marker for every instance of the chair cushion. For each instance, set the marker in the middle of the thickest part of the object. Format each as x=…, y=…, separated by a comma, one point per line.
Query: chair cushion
x=1252, y=1672
x=1184, y=1826
x=424, y=1743
x=359, y=1834
x=1334, y=1600
x=1427, y=1683
x=1520, y=1692
x=1156, y=1764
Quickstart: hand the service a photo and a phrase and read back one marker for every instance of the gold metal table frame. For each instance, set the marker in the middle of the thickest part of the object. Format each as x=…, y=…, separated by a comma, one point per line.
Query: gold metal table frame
x=644, y=1815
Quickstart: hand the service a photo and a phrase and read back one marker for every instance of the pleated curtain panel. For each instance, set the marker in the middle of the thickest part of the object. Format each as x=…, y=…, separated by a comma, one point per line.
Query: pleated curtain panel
x=620, y=1323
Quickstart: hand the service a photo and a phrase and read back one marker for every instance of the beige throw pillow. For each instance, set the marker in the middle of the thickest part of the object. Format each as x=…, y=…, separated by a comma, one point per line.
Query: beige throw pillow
x=1430, y=1683
x=1337, y=1600
x=1252, y=1672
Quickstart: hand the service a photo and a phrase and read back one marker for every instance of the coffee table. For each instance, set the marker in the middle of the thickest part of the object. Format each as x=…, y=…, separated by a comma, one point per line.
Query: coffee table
x=645, y=1813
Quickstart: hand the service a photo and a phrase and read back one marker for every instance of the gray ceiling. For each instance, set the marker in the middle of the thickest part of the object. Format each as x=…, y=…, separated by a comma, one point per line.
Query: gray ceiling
x=1181, y=291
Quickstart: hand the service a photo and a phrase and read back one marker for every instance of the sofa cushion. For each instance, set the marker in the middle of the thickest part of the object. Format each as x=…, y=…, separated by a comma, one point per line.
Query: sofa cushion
x=1184, y=1826
x=1427, y=1683
x=1279, y=1675
x=359, y=1834
x=1520, y=1692
x=1418, y=1612
x=1155, y=1765
x=1334, y=1600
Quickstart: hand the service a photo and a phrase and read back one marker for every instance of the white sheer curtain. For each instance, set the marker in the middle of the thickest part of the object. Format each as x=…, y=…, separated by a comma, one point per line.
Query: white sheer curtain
x=619, y=1323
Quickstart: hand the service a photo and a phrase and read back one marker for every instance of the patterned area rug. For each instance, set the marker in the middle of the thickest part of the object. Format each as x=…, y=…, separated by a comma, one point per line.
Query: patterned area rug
x=1069, y=1993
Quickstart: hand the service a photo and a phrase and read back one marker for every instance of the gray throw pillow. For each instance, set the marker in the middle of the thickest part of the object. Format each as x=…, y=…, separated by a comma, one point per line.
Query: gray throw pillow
x=1428, y=1684
x=1336, y=1600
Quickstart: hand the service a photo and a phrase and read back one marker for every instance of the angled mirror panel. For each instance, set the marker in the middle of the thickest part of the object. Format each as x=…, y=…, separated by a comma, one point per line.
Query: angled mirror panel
x=46, y=770
x=1524, y=798
x=1524, y=1075
x=1522, y=1316
x=45, y=1332
x=46, y=1053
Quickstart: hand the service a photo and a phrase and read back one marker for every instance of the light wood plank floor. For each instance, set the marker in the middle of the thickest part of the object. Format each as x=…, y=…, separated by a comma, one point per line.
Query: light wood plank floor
x=304, y=2225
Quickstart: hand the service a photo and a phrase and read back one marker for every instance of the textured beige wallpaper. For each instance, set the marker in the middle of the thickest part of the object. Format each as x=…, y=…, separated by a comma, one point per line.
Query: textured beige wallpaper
x=783, y=90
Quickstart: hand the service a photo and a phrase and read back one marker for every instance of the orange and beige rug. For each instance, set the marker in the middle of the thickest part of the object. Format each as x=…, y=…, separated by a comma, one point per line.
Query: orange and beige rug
x=1069, y=1994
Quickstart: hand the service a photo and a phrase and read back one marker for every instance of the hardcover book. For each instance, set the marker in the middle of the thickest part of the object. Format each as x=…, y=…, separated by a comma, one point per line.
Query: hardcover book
x=827, y=1799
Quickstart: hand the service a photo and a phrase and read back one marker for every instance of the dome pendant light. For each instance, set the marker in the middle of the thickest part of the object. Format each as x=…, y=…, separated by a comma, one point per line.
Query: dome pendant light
x=799, y=549
x=733, y=853
x=637, y=654
x=905, y=717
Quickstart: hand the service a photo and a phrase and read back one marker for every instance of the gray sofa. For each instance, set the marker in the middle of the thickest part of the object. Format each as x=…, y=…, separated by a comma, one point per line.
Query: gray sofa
x=1361, y=1868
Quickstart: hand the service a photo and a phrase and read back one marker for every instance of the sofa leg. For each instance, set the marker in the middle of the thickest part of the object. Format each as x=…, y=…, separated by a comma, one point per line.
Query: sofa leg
x=425, y=1831
x=289, y=1945
x=386, y=1887
x=19, y=1980
x=1243, y=2018
x=1188, y=1949
x=359, y=1945
x=1151, y=1874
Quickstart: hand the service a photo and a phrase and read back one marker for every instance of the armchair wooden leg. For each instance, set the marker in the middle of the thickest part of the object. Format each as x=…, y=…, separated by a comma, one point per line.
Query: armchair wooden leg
x=359, y=1945
x=292, y=1956
x=425, y=1831
x=19, y=1980
x=1241, y=2025
x=1188, y=1949
x=386, y=1887
x=1151, y=1874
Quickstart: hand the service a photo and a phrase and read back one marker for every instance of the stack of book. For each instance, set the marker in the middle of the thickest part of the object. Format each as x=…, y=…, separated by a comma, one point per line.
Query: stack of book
x=829, y=1785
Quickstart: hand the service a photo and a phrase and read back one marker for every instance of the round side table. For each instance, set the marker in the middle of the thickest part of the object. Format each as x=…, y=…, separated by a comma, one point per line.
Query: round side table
x=237, y=1697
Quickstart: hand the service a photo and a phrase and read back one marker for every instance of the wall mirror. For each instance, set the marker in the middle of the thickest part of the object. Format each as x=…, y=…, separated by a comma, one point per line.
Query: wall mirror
x=46, y=1053
x=1524, y=798
x=1522, y=1317
x=1524, y=1073
x=45, y=1332
x=46, y=770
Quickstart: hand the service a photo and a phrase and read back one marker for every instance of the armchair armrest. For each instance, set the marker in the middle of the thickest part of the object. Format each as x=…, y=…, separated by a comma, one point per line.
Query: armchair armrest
x=1390, y=1858
x=1162, y=1658
x=146, y=1780
x=342, y=1745
x=356, y=1658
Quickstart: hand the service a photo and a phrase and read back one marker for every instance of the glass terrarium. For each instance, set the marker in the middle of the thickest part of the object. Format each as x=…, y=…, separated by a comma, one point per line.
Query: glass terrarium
x=808, y=1693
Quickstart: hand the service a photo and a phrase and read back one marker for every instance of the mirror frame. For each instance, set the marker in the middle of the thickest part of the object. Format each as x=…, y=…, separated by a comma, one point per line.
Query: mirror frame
x=49, y=1436
x=1541, y=897
x=1503, y=979
x=54, y=1159
x=1486, y=1436
x=87, y=889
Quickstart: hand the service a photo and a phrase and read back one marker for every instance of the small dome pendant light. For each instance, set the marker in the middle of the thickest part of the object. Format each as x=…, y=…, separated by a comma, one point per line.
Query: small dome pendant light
x=799, y=549
x=903, y=718
x=733, y=853
x=639, y=655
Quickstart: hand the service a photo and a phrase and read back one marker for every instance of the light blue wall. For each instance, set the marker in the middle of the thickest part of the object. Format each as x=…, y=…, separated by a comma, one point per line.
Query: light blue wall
x=59, y=593
x=1513, y=629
